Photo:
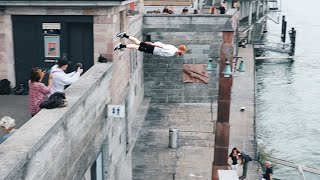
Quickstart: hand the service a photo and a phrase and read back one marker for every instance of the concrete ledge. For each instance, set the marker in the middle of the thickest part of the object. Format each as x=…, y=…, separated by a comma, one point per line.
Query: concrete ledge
x=37, y=144
x=67, y=3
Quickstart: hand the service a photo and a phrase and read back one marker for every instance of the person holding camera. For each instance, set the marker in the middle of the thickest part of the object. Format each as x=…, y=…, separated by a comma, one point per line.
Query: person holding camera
x=37, y=90
x=60, y=79
x=245, y=159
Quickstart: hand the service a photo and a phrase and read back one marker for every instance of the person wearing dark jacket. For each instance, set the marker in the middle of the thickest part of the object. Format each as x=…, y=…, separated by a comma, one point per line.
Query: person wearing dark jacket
x=268, y=174
x=245, y=162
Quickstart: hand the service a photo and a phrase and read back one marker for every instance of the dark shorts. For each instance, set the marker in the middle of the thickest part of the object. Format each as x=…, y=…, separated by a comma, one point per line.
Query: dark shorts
x=146, y=48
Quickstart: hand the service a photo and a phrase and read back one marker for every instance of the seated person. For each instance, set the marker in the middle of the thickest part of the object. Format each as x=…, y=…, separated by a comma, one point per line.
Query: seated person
x=7, y=125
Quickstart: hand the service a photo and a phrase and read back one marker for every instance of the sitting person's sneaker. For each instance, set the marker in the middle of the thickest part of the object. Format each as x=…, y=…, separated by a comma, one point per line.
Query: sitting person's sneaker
x=121, y=35
x=118, y=47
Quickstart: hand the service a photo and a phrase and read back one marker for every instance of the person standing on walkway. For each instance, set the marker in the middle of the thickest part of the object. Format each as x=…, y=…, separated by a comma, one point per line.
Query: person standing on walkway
x=157, y=48
x=234, y=155
x=268, y=174
x=7, y=125
x=37, y=90
x=245, y=162
x=60, y=79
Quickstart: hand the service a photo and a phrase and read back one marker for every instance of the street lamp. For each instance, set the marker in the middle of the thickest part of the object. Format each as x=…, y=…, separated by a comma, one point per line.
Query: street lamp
x=242, y=67
x=210, y=66
x=227, y=69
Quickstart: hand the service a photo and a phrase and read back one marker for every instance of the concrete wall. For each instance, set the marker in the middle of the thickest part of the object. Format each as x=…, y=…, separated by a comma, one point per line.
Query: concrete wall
x=202, y=34
x=6, y=48
x=108, y=21
x=63, y=143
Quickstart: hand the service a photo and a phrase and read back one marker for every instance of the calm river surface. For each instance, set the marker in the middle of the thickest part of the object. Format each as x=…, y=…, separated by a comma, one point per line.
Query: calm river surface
x=288, y=94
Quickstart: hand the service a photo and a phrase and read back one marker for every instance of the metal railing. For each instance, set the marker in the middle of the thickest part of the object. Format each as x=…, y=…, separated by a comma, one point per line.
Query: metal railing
x=299, y=167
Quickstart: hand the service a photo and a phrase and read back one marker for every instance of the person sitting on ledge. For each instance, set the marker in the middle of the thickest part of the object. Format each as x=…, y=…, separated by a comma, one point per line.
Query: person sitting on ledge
x=7, y=125
x=157, y=48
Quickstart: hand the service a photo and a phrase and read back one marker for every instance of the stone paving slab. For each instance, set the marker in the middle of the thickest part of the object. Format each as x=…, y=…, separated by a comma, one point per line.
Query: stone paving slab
x=152, y=159
x=16, y=107
x=242, y=123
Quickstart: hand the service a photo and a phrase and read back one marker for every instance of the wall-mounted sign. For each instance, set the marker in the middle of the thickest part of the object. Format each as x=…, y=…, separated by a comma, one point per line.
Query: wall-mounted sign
x=116, y=111
x=52, y=46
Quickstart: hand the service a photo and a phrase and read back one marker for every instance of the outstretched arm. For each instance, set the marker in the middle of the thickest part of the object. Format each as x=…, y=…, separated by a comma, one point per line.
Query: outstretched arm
x=156, y=44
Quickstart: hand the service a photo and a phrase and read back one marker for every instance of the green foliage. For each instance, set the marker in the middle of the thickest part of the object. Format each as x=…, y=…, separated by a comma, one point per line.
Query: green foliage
x=263, y=156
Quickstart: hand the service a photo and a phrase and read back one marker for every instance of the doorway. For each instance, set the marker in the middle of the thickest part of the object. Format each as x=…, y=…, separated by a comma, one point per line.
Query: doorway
x=40, y=41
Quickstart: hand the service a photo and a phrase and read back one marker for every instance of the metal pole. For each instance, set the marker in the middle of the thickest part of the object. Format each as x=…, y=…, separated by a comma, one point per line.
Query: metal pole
x=250, y=13
x=301, y=174
x=283, y=28
x=292, y=34
x=258, y=9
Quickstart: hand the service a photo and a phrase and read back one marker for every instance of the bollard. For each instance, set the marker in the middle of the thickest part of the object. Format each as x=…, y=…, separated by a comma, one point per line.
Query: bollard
x=173, y=138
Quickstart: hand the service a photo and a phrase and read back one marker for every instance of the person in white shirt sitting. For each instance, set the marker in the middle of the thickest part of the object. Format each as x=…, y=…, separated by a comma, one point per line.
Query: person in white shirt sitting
x=157, y=48
x=60, y=79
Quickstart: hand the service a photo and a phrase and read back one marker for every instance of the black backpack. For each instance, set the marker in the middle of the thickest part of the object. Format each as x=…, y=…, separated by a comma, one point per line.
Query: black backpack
x=22, y=89
x=57, y=99
x=5, y=88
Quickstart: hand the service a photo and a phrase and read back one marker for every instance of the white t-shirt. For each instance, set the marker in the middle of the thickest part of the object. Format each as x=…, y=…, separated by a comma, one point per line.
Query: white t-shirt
x=167, y=50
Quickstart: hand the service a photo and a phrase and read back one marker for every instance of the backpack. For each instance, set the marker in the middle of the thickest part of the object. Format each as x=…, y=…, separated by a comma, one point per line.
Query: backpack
x=5, y=88
x=57, y=99
x=22, y=89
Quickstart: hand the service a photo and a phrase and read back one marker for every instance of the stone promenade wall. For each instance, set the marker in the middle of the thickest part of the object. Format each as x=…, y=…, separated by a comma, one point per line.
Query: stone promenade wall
x=202, y=34
x=63, y=143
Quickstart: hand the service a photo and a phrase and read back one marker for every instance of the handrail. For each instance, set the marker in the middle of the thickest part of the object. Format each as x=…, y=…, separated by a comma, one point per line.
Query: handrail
x=294, y=165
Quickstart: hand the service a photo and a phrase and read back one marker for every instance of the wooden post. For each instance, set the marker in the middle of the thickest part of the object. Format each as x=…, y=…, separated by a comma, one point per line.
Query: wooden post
x=222, y=131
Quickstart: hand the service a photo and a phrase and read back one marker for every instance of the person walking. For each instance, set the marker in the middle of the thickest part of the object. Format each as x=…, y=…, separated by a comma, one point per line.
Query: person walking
x=60, y=79
x=234, y=155
x=268, y=174
x=245, y=162
x=157, y=48
x=7, y=124
x=37, y=90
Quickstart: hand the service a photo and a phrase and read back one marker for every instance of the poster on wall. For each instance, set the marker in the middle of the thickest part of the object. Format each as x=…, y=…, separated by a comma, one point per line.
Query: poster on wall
x=52, y=46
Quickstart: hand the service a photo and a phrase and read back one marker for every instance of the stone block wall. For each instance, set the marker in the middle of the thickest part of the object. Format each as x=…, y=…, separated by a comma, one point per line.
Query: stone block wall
x=63, y=143
x=6, y=49
x=202, y=34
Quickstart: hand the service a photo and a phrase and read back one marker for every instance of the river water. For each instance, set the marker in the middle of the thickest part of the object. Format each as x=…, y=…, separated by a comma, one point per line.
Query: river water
x=288, y=94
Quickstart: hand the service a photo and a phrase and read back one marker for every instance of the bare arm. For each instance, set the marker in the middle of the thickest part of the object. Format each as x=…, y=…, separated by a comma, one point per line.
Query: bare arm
x=158, y=44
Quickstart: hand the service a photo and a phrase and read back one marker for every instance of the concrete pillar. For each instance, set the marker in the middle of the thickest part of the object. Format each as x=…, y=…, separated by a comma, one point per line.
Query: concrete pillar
x=140, y=5
x=258, y=9
x=250, y=13
x=200, y=4
x=7, y=62
x=222, y=132
x=263, y=7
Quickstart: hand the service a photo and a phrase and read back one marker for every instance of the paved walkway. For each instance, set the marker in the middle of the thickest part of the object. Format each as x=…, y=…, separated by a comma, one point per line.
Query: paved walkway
x=242, y=123
x=152, y=159
x=15, y=107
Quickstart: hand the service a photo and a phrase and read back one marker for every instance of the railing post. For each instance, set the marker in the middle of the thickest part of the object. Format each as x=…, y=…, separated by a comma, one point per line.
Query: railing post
x=301, y=174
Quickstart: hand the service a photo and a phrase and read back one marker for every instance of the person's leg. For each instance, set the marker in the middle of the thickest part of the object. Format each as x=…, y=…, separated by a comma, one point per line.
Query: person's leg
x=129, y=46
x=134, y=40
x=132, y=46
x=245, y=170
x=131, y=38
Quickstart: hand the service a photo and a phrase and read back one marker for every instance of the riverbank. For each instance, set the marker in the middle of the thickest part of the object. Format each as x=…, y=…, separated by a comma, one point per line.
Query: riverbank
x=242, y=123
